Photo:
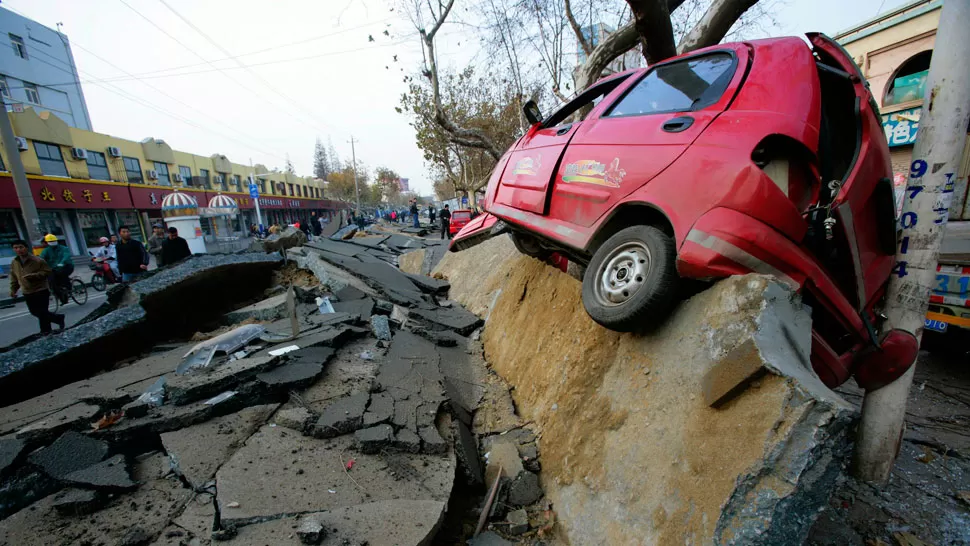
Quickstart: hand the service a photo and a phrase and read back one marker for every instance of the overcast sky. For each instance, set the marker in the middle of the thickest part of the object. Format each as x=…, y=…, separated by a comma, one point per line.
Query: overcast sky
x=311, y=72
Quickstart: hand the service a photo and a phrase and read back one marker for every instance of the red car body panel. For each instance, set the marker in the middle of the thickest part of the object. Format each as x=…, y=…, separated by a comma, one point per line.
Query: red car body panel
x=459, y=219
x=565, y=183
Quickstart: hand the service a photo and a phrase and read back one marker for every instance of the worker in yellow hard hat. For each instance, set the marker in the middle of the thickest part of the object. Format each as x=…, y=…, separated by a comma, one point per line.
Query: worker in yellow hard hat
x=58, y=257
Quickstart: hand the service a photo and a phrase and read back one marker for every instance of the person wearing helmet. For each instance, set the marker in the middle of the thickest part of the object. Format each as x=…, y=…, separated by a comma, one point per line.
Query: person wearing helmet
x=58, y=257
x=107, y=255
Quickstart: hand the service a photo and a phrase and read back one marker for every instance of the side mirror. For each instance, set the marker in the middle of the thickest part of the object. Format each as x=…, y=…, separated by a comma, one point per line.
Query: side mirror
x=532, y=113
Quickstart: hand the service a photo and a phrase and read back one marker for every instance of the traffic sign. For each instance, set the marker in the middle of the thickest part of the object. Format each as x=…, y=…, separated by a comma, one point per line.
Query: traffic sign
x=253, y=191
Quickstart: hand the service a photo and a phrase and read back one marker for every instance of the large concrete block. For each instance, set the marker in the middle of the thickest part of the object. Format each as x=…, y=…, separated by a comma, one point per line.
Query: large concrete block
x=632, y=450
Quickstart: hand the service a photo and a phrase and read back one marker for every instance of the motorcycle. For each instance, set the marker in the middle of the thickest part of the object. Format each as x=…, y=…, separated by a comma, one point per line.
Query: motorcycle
x=103, y=275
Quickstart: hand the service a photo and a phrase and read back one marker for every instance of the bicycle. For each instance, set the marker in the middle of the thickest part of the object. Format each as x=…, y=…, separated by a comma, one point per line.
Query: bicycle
x=78, y=292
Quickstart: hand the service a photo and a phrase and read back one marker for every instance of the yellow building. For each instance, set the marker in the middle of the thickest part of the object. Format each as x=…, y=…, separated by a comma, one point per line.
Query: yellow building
x=87, y=184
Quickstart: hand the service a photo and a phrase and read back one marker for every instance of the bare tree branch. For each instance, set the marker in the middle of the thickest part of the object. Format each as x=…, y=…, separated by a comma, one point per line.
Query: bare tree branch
x=583, y=42
x=715, y=24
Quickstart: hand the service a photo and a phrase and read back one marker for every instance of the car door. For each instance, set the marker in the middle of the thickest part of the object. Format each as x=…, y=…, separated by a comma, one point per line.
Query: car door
x=525, y=182
x=651, y=124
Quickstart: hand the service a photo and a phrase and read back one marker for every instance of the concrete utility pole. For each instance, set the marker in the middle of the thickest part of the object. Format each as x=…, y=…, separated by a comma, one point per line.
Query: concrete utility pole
x=936, y=159
x=27, y=206
x=353, y=155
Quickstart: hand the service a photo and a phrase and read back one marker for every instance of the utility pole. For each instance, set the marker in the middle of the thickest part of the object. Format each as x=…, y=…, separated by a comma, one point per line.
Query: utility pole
x=936, y=159
x=353, y=155
x=27, y=206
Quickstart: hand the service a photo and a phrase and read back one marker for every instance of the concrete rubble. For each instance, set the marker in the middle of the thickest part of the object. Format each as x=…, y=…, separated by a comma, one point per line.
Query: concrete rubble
x=359, y=435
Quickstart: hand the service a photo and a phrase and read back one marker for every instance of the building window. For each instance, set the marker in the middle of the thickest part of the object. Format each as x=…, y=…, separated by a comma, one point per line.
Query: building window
x=235, y=181
x=298, y=192
x=186, y=175
x=262, y=186
x=132, y=170
x=909, y=82
x=97, y=166
x=281, y=187
x=4, y=87
x=221, y=182
x=291, y=189
x=204, y=177
x=50, y=159
x=19, y=49
x=32, y=95
x=2, y=166
x=161, y=169
x=272, y=187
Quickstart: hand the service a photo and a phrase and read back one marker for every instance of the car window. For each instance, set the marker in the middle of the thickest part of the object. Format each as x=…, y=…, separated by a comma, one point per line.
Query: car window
x=582, y=105
x=461, y=216
x=691, y=84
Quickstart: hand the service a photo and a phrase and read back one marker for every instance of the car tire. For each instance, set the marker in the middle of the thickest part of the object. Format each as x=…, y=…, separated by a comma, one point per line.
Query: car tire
x=529, y=245
x=631, y=282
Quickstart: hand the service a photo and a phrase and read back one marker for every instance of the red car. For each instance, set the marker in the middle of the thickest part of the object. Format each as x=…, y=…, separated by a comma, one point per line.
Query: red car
x=765, y=156
x=459, y=219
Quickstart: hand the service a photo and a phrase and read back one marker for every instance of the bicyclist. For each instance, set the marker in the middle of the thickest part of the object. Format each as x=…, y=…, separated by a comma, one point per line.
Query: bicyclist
x=59, y=258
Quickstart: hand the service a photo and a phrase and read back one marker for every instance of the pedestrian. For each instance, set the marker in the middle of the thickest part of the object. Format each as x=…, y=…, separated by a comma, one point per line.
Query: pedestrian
x=30, y=273
x=113, y=239
x=155, y=244
x=132, y=256
x=414, y=211
x=305, y=227
x=174, y=248
x=58, y=257
x=323, y=223
x=431, y=213
x=274, y=229
x=445, y=223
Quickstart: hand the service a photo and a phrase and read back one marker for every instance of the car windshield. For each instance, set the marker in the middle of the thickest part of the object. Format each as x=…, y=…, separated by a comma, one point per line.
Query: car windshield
x=691, y=84
x=461, y=216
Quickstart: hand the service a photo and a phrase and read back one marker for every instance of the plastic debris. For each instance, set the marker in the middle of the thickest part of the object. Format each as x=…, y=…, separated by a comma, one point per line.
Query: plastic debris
x=232, y=504
x=331, y=491
x=350, y=464
x=323, y=304
x=155, y=395
x=201, y=355
x=108, y=419
x=220, y=398
x=367, y=355
x=284, y=350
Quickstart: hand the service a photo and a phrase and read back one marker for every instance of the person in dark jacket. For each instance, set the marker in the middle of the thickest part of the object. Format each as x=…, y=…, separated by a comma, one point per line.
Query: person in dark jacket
x=445, y=223
x=132, y=256
x=174, y=248
x=414, y=211
x=58, y=257
x=29, y=273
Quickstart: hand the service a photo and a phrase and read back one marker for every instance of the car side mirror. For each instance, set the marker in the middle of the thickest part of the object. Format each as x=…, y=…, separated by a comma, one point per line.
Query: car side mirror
x=532, y=112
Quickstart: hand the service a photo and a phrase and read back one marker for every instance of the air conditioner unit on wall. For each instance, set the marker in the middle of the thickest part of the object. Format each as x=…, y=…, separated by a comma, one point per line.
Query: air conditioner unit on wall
x=217, y=179
x=79, y=153
x=152, y=174
x=114, y=151
x=178, y=177
x=21, y=143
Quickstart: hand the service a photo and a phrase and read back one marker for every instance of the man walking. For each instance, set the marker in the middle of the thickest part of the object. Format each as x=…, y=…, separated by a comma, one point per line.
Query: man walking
x=414, y=211
x=155, y=244
x=58, y=257
x=174, y=248
x=132, y=256
x=431, y=213
x=445, y=223
x=30, y=273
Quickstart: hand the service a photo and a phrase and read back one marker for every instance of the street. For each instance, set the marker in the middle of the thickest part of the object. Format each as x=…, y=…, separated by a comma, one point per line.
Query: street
x=16, y=322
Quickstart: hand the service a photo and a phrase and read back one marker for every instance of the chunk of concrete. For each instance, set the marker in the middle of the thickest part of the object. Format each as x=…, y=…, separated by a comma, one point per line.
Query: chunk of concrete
x=23, y=487
x=266, y=310
x=297, y=419
x=455, y=318
x=196, y=452
x=349, y=293
x=524, y=489
x=332, y=319
x=428, y=284
x=518, y=521
x=380, y=410
x=489, y=538
x=263, y=478
x=502, y=455
x=374, y=439
x=75, y=416
x=342, y=416
x=466, y=449
x=329, y=336
x=291, y=376
x=288, y=238
x=78, y=502
x=69, y=453
x=109, y=475
x=208, y=382
x=407, y=441
x=431, y=440
x=380, y=327
x=311, y=530
x=10, y=451
x=362, y=307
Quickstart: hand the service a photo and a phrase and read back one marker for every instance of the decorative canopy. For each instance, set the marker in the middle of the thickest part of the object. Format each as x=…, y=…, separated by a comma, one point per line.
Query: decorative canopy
x=179, y=204
x=223, y=202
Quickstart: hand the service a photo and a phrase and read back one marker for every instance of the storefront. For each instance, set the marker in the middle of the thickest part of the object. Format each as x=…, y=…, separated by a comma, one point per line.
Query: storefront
x=78, y=212
x=147, y=205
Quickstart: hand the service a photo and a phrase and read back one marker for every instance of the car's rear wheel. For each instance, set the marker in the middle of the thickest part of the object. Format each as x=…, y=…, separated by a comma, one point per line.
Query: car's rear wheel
x=529, y=245
x=631, y=282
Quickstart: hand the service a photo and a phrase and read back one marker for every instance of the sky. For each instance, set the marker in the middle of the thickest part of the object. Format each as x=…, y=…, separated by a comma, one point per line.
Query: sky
x=261, y=81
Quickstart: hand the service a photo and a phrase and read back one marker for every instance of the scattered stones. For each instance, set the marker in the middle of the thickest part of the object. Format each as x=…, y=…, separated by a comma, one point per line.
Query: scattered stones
x=380, y=410
x=70, y=453
x=518, y=521
x=381, y=327
x=524, y=489
x=343, y=416
x=111, y=475
x=78, y=502
x=374, y=439
x=311, y=531
x=297, y=419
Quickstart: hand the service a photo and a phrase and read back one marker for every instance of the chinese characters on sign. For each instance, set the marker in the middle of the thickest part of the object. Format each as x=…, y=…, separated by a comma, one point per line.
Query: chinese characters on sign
x=46, y=194
x=86, y=194
x=67, y=195
x=901, y=127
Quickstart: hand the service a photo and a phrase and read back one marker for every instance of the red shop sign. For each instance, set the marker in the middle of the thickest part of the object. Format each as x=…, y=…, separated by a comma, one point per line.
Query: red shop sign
x=54, y=194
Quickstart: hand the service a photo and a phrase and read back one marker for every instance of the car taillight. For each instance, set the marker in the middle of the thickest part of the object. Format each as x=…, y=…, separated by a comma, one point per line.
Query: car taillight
x=896, y=354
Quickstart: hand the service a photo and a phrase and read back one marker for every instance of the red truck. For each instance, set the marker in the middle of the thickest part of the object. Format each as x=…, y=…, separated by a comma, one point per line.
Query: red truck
x=765, y=156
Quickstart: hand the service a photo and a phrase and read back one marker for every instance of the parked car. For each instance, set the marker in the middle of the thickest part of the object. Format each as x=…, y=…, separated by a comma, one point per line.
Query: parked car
x=459, y=219
x=765, y=156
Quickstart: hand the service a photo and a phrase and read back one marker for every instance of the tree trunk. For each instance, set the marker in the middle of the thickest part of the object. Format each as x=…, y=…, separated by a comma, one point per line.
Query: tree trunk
x=714, y=26
x=652, y=21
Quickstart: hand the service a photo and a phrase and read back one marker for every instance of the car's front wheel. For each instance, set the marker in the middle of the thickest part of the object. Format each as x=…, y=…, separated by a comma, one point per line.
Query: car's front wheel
x=632, y=280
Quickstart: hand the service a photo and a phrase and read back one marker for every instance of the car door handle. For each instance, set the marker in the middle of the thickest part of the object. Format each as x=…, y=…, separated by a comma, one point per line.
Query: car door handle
x=678, y=124
x=563, y=130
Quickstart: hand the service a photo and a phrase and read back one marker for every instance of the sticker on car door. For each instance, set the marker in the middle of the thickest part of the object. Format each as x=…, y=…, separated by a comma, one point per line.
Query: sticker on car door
x=528, y=166
x=589, y=171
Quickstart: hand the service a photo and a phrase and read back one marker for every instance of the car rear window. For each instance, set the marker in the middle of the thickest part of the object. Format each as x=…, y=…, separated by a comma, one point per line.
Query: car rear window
x=461, y=216
x=691, y=84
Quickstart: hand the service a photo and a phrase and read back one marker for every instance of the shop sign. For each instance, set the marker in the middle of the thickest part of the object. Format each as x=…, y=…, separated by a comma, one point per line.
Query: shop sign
x=49, y=194
x=901, y=127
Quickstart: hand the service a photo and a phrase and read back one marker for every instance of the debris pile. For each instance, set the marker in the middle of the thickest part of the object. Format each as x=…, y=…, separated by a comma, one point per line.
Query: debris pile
x=343, y=411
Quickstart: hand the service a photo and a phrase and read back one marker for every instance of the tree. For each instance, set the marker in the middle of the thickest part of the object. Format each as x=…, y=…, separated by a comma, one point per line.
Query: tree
x=289, y=165
x=332, y=157
x=386, y=185
x=321, y=166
